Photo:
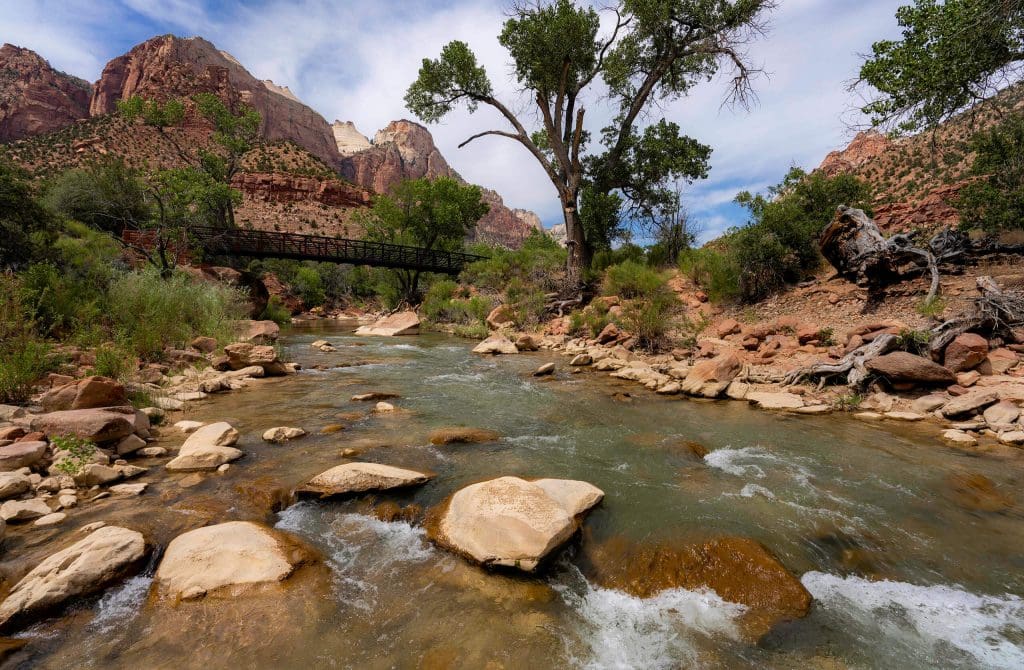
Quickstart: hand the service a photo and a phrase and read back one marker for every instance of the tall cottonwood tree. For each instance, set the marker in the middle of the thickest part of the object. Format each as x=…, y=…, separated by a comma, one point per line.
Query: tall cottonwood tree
x=652, y=52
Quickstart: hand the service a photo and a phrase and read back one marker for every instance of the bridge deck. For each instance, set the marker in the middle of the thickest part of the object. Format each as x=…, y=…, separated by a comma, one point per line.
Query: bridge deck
x=265, y=244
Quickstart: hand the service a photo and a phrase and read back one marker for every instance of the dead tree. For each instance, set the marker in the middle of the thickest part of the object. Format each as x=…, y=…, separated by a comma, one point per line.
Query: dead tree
x=853, y=364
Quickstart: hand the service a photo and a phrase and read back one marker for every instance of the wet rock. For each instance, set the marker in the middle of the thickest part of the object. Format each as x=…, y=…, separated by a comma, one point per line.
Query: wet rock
x=352, y=478
x=88, y=393
x=13, y=484
x=959, y=438
x=711, y=378
x=129, y=489
x=901, y=366
x=24, y=510
x=965, y=352
x=95, y=425
x=511, y=522
x=738, y=569
x=779, y=401
x=459, y=435
x=403, y=323
x=390, y=512
x=237, y=553
x=332, y=428
x=496, y=344
x=978, y=493
x=969, y=403
x=374, y=396
x=544, y=370
x=383, y=408
x=87, y=566
x=21, y=455
x=526, y=343
x=67, y=500
x=905, y=416
x=51, y=519
x=283, y=434
x=207, y=449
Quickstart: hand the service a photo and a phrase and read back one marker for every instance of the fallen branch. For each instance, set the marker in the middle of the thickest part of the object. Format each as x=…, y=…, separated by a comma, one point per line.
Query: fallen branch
x=995, y=313
x=852, y=364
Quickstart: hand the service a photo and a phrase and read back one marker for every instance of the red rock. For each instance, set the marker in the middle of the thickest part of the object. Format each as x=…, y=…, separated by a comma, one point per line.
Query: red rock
x=965, y=352
x=204, y=344
x=727, y=327
x=35, y=98
x=998, y=362
x=11, y=432
x=807, y=334
x=85, y=394
x=259, y=332
x=21, y=455
x=97, y=425
x=35, y=436
x=608, y=334
x=500, y=317
x=901, y=366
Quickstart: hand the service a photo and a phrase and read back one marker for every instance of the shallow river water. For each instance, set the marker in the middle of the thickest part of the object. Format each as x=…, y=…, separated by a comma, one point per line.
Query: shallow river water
x=903, y=574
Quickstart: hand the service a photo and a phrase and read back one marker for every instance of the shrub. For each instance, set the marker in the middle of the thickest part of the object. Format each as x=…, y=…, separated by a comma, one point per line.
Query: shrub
x=309, y=286
x=540, y=262
x=441, y=306
x=633, y=280
x=476, y=331
x=914, y=341
x=649, y=320
x=715, y=271
x=589, y=322
x=77, y=453
x=113, y=362
x=23, y=362
x=995, y=201
x=276, y=311
x=931, y=308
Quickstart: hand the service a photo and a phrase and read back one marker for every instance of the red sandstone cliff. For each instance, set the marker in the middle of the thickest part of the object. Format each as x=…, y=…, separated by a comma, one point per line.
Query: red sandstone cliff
x=169, y=66
x=35, y=98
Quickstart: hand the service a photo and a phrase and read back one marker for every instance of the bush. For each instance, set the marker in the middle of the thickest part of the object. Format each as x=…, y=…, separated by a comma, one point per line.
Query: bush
x=113, y=362
x=149, y=313
x=276, y=311
x=995, y=202
x=526, y=302
x=717, y=272
x=309, y=286
x=23, y=362
x=589, y=322
x=539, y=263
x=441, y=305
x=633, y=280
x=649, y=320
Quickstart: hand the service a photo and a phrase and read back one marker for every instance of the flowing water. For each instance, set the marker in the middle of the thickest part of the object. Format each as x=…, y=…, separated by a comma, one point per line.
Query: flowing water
x=903, y=574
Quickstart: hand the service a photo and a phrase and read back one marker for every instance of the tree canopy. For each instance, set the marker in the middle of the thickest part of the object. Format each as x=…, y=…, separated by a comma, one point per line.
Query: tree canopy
x=995, y=200
x=952, y=55
x=652, y=53
x=22, y=220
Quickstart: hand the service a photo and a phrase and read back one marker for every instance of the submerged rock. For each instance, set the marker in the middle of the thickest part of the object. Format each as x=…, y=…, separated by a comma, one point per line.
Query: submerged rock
x=459, y=435
x=282, y=434
x=87, y=566
x=738, y=569
x=977, y=493
x=228, y=554
x=360, y=477
x=512, y=522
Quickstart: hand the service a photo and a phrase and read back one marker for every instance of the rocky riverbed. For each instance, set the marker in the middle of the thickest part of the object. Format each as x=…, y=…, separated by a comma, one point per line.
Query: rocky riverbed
x=643, y=529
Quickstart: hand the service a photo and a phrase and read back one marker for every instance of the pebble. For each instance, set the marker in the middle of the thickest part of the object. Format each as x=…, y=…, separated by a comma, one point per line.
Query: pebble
x=224, y=468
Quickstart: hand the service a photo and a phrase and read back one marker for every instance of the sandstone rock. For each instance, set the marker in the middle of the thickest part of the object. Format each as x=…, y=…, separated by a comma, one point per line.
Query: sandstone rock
x=727, y=327
x=609, y=334
x=970, y=402
x=94, y=474
x=813, y=409
x=129, y=489
x=1001, y=413
x=998, y=362
x=965, y=352
x=282, y=434
x=711, y=378
x=459, y=435
x=959, y=438
x=13, y=484
x=52, y=519
x=129, y=445
x=968, y=379
x=67, y=501
x=169, y=404
x=901, y=366
x=496, y=344
x=21, y=455
x=96, y=425
x=152, y=452
x=929, y=403
x=581, y=360
x=11, y=433
x=783, y=401
x=402, y=323
x=360, y=477
x=207, y=449
x=207, y=345
x=11, y=412
x=189, y=427
x=245, y=354
x=24, y=510
x=36, y=98
x=258, y=332
x=237, y=553
x=373, y=396
x=512, y=522
x=978, y=493
x=526, y=343
x=87, y=393
x=85, y=567
x=501, y=317
x=383, y=408
x=546, y=369
x=220, y=434
x=1014, y=437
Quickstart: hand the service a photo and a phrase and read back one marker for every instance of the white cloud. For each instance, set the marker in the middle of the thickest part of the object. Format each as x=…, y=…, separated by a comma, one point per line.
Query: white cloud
x=354, y=61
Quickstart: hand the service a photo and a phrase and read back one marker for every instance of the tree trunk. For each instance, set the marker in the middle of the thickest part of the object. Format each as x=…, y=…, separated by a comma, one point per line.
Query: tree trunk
x=578, y=259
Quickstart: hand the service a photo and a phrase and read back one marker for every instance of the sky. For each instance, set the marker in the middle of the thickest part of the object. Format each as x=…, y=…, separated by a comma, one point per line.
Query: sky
x=353, y=61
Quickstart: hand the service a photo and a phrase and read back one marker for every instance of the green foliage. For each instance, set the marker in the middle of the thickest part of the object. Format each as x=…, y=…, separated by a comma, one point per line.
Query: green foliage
x=309, y=286
x=649, y=320
x=23, y=222
x=23, y=362
x=154, y=113
x=275, y=311
x=931, y=308
x=715, y=270
x=951, y=55
x=995, y=202
x=431, y=214
x=848, y=402
x=605, y=258
x=538, y=263
x=149, y=313
x=633, y=280
x=74, y=453
x=114, y=362
x=475, y=331
x=527, y=303
x=827, y=337
x=441, y=305
x=914, y=341
x=106, y=195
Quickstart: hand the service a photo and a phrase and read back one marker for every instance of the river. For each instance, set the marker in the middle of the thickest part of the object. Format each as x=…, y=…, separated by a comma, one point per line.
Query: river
x=903, y=573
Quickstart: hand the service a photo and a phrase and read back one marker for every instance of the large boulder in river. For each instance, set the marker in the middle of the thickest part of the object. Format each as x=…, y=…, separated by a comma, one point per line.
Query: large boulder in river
x=87, y=566
x=738, y=569
x=510, y=521
x=403, y=323
x=242, y=355
x=237, y=553
x=902, y=367
x=711, y=378
x=496, y=344
x=351, y=478
x=965, y=352
x=87, y=393
x=96, y=425
x=207, y=448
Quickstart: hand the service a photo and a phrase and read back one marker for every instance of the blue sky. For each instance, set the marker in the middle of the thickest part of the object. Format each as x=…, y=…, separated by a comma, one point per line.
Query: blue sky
x=354, y=60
